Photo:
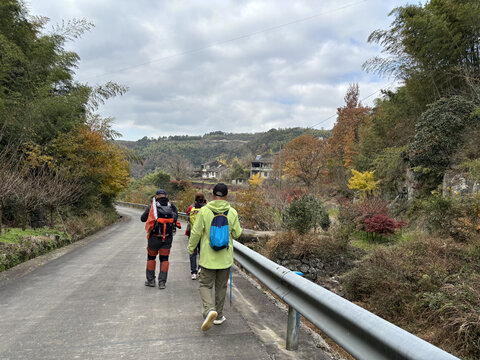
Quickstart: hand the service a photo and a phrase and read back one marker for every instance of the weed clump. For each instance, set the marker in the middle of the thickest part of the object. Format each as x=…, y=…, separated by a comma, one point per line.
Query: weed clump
x=428, y=286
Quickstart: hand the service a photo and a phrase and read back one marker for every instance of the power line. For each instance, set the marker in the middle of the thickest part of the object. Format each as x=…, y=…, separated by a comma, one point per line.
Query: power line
x=241, y=37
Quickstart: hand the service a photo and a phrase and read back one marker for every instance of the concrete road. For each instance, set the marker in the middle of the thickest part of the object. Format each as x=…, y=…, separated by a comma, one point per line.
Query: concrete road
x=88, y=301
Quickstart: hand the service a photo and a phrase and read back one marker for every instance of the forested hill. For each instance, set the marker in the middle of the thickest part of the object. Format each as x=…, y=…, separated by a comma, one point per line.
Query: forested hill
x=195, y=150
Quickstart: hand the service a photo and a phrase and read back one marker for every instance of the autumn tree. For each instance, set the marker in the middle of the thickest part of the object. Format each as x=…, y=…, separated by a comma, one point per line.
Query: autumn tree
x=256, y=181
x=302, y=159
x=364, y=182
x=341, y=147
x=98, y=164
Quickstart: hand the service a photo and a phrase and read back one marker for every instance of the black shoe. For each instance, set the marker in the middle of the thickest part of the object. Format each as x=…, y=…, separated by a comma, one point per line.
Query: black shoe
x=150, y=283
x=161, y=285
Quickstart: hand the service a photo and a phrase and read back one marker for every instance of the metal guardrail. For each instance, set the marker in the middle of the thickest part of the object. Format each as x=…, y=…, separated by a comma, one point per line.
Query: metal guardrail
x=361, y=333
x=181, y=215
x=358, y=331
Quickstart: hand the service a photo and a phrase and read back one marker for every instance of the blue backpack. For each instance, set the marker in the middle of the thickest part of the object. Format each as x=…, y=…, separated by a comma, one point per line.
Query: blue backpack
x=219, y=231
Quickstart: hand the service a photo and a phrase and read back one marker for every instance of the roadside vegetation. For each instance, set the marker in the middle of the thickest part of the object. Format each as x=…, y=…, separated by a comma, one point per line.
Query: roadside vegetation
x=60, y=168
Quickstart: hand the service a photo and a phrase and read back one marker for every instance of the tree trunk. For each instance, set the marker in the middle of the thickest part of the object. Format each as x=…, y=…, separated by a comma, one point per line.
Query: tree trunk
x=23, y=220
x=1, y=213
x=52, y=209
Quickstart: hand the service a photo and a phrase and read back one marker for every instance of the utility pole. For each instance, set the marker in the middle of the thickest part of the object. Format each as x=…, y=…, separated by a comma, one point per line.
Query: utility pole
x=280, y=161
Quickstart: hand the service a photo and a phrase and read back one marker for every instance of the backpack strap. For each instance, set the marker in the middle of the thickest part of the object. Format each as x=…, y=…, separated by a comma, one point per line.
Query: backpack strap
x=165, y=222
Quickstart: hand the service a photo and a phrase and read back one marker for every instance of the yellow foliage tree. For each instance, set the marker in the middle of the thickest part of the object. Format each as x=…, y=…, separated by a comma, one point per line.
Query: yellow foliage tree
x=363, y=182
x=256, y=181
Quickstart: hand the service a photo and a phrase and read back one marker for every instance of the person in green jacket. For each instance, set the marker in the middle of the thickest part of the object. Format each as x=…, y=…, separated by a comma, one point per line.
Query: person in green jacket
x=215, y=263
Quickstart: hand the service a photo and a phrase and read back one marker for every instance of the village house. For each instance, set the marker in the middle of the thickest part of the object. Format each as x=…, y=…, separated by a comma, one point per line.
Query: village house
x=262, y=165
x=214, y=170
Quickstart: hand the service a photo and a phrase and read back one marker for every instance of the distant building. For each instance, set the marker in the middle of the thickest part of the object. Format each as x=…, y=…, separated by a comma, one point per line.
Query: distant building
x=213, y=170
x=262, y=165
x=239, y=181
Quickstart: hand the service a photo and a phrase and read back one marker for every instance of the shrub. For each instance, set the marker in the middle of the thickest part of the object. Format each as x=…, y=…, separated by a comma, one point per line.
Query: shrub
x=254, y=212
x=306, y=213
x=180, y=185
x=83, y=225
x=353, y=215
x=382, y=225
x=288, y=245
x=185, y=198
x=426, y=286
x=455, y=216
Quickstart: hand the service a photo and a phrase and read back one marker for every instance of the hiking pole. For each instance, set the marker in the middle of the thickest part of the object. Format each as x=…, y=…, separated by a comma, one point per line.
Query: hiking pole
x=230, y=286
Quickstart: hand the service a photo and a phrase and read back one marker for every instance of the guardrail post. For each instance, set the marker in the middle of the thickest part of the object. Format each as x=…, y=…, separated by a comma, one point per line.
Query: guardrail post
x=292, y=328
x=293, y=325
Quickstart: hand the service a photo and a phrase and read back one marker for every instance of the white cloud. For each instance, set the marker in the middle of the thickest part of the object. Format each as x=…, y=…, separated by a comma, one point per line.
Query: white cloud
x=236, y=66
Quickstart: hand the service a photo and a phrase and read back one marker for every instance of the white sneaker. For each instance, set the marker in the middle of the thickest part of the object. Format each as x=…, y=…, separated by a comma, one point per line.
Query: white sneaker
x=219, y=321
x=208, y=322
x=194, y=276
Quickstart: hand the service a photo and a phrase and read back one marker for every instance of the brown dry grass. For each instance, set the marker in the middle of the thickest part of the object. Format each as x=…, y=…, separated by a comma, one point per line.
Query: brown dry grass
x=290, y=244
x=430, y=287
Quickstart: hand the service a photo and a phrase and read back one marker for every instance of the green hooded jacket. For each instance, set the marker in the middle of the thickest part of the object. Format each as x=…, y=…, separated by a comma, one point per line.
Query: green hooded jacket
x=209, y=258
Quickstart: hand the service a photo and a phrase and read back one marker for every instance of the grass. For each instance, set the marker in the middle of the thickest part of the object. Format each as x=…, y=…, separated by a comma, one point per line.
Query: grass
x=333, y=212
x=425, y=284
x=362, y=241
x=14, y=235
x=17, y=245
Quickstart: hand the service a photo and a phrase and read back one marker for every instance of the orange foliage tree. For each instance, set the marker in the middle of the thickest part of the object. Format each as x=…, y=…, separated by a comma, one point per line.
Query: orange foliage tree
x=302, y=159
x=87, y=154
x=342, y=144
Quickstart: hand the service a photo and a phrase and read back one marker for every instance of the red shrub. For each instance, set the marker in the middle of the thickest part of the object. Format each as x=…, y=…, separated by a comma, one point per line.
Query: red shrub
x=382, y=225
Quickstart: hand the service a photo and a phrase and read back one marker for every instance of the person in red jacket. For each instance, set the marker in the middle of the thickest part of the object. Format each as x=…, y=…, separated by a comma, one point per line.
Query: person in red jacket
x=160, y=217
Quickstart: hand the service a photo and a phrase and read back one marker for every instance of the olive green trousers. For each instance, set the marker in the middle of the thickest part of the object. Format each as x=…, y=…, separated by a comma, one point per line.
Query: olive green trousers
x=210, y=278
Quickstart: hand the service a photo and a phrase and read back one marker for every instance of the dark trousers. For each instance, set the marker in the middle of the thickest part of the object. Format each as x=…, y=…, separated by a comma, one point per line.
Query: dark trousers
x=193, y=260
x=156, y=246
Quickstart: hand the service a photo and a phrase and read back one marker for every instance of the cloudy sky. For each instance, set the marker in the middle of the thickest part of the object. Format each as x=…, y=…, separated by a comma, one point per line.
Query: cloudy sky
x=197, y=66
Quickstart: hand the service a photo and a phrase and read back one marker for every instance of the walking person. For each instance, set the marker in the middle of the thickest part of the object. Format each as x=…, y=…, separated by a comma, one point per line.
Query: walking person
x=215, y=227
x=161, y=217
x=192, y=213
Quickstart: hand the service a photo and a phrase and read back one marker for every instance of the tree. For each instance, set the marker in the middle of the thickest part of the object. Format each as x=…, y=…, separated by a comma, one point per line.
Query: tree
x=10, y=177
x=306, y=213
x=438, y=135
x=342, y=144
x=434, y=48
x=178, y=166
x=58, y=191
x=238, y=171
x=100, y=165
x=256, y=181
x=302, y=159
x=363, y=182
x=38, y=96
